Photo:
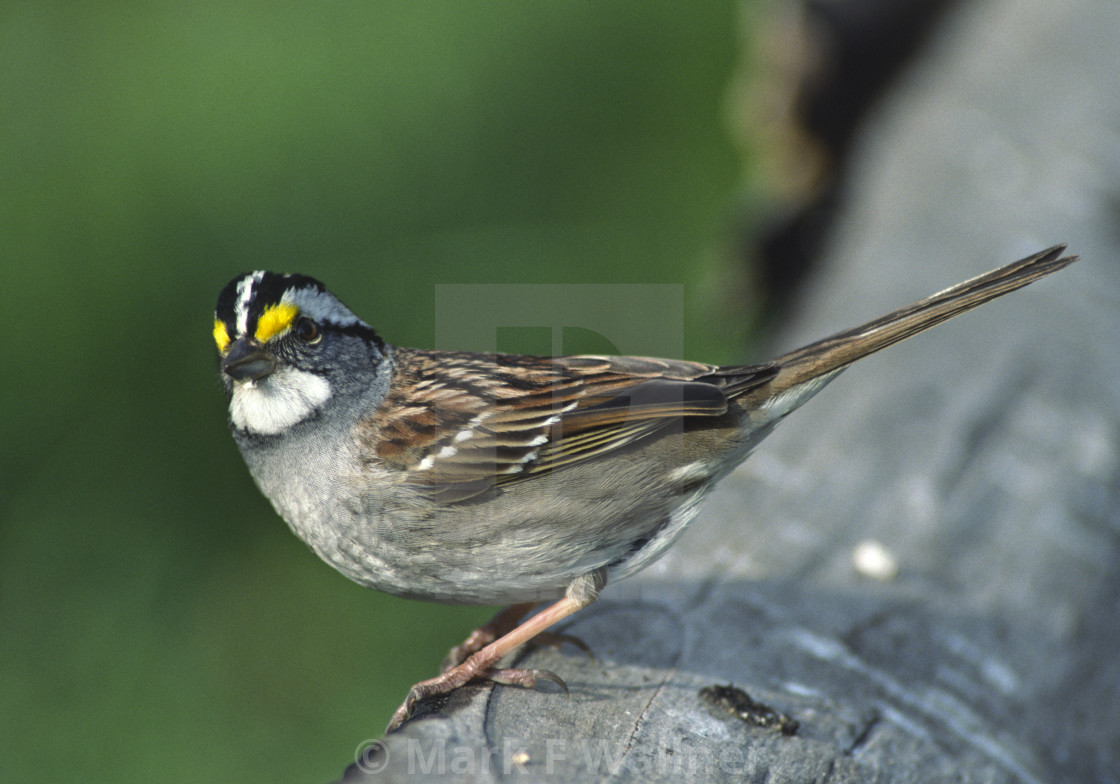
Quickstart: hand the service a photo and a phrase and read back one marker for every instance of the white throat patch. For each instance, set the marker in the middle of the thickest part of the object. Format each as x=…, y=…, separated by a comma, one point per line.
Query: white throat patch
x=273, y=404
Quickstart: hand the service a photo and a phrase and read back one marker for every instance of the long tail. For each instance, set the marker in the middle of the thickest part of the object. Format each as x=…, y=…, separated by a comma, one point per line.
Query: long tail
x=842, y=349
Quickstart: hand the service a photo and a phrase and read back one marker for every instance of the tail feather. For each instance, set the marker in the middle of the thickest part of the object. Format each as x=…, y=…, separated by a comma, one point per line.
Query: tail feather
x=840, y=350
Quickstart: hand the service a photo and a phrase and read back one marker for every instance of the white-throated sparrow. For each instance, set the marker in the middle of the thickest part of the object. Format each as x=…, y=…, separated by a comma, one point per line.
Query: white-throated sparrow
x=503, y=479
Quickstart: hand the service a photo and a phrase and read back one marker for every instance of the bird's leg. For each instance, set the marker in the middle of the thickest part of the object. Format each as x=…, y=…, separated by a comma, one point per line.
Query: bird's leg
x=501, y=624
x=480, y=664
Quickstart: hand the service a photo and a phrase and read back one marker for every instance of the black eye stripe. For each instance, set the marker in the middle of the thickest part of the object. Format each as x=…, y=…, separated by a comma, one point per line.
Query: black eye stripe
x=359, y=331
x=352, y=330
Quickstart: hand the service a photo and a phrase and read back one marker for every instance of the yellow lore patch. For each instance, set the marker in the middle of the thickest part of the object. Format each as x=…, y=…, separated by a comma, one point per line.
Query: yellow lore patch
x=276, y=320
x=221, y=336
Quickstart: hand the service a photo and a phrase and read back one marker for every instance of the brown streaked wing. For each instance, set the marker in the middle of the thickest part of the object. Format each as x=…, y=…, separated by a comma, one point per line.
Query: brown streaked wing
x=460, y=423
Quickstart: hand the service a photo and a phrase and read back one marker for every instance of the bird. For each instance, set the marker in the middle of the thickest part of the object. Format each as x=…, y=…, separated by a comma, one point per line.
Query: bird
x=505, y=479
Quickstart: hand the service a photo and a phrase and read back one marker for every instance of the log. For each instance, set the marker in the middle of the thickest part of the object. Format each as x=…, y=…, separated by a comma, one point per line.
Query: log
x=981, y=458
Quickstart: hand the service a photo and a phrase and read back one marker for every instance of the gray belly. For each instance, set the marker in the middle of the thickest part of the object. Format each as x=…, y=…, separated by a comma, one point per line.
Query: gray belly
x=526, y=542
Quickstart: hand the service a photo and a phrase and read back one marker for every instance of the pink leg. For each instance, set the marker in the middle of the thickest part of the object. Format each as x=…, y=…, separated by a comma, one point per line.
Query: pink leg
x=502, y=623
x=480, y=664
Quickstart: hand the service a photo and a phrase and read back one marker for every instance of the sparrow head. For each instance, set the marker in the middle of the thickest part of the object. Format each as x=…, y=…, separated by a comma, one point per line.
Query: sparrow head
x=286, y=346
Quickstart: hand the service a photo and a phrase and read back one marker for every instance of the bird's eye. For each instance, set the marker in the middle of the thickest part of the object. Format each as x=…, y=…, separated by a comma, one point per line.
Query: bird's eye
x=308, y=331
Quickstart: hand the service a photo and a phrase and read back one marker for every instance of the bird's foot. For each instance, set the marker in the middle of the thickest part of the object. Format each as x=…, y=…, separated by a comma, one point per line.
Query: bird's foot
x=477, y=667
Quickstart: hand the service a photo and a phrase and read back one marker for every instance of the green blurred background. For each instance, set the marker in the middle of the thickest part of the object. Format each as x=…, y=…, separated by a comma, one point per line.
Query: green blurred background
x=157, y=621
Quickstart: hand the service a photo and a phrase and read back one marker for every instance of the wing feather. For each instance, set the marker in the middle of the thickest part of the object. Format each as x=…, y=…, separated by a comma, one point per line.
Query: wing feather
x=461, y=424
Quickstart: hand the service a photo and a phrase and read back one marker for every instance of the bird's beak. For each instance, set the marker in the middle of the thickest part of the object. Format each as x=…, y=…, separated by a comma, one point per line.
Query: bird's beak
x=247, y=360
